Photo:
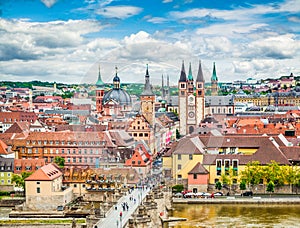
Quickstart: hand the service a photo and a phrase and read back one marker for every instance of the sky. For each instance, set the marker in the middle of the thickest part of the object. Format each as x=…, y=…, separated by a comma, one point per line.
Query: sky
x=70, y=40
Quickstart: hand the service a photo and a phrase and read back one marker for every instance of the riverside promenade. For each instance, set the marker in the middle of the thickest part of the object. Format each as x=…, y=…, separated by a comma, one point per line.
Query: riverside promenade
x=240, y=200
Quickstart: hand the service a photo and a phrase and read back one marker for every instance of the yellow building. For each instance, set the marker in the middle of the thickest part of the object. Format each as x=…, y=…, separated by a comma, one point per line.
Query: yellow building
x=44, y=189
x=220, y=154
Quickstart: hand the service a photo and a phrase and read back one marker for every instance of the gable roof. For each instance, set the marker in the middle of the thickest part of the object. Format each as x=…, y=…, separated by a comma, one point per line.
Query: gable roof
x=198, y=169
x=18, y=127
x=46, y=173
x=3, y=148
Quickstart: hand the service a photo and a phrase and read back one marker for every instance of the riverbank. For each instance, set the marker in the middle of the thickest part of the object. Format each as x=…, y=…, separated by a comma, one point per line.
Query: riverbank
x=239, y=200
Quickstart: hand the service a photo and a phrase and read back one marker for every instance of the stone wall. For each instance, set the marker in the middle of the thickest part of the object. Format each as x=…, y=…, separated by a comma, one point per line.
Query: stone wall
x=45, y=202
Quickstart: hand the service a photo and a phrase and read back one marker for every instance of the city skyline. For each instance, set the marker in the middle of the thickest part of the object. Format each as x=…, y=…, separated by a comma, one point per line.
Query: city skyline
x=66, y=41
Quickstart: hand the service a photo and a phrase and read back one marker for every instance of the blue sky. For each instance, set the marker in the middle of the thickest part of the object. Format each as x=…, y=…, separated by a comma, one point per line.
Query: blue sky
x=66, y=41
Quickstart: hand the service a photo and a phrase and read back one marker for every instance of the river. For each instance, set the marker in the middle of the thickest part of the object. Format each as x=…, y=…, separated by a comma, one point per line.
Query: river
x=237, y=215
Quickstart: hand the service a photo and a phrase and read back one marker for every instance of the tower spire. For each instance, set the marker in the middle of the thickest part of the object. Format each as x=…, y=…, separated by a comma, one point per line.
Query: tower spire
x=99, y=82
x=214, y=74
x=200, y=77
x=190, y=76
x=182, y=73
x=147, y=86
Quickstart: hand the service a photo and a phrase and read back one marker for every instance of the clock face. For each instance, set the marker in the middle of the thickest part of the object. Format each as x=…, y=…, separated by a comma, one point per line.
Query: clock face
x=191, y=99
x=191, y=114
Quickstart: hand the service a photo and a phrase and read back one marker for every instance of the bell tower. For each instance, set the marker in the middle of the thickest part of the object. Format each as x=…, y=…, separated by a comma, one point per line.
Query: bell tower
x=99, y=93
x=148, y=101
x=182, y=101
x=200, y=98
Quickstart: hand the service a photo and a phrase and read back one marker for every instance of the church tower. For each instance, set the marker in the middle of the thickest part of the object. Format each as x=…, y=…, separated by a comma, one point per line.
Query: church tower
x=182, y=101
x=191, y=101
x=148, y=101
x=200, y=100
x=99, y=93
x=214, y=82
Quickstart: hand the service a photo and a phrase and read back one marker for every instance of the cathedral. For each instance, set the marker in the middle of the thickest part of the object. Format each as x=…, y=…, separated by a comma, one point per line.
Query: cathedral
x=114, y=102
x=191, y=100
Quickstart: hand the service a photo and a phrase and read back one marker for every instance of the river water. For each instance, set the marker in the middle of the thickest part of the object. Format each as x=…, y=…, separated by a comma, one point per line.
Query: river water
x=237, y=215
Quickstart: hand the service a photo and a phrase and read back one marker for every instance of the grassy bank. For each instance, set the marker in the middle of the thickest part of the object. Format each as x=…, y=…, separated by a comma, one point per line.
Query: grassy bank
x=41, y=221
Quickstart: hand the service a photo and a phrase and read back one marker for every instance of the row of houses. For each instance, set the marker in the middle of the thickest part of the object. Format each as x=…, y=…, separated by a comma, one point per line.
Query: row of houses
x=198, y=161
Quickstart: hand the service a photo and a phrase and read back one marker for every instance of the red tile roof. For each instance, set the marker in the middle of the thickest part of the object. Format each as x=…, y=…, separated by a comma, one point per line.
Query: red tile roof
x=198, y=169
x=3, y=148
x=46, y=173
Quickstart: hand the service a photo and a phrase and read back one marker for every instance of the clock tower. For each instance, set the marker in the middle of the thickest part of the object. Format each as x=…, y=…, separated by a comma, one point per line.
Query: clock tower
x=148, y=101
x=191, y=100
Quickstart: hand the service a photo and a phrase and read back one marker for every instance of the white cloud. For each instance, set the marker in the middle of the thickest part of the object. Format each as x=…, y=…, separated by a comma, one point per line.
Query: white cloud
x=277, y=47
x=49, y=3
x=157, y=20
x=121, y=12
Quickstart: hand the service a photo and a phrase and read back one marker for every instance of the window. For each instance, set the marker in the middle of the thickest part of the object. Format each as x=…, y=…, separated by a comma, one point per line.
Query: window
x=69, y=151
x=235, y=167
x=182, y=86
x=62, y=151
x=74, y=151
x=195, y=176
x=91, y=151
x=179, y=176
x=226, y=166
x=38, y=182
x=74, y=160
x=179, y=157
x=190, y=156
x=179, y=166
x=38, y=190
x=139, y=162
x=133, y=162
x=219, y=167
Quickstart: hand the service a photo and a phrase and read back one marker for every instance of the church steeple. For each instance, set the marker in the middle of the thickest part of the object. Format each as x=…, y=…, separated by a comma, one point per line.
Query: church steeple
x=190, y=76
x=182, y=74
x=214, y=82
x=99, y=82
x=163, y=91
x=214, y=74
x=147, y=87
x=200, y=77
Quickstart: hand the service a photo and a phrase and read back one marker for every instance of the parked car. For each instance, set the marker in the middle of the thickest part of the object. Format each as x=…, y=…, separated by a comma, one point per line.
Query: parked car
x=247, y=193
x=206, y=195
x=218, y=194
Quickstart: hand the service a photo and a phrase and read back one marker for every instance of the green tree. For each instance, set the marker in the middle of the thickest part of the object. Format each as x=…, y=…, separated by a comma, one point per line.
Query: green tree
x=252, y=174
x=19, y=179
x=243, y=185
x=274, y=173
x=177, y=188
x=60, y=162
x=218, y=185
x=290, y=175
x=270, y=186
x=228, y=178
